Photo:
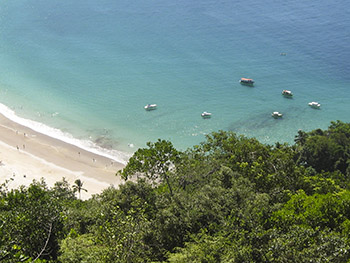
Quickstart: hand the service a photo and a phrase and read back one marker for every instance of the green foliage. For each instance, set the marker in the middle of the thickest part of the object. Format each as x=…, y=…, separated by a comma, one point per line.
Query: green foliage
x=328, y=150
x=154, y=162
x=79, y=215
x=322, y=211
x=123, y=234
x=203, y=248
x=82, y=249
x=123, y=221
x=305, y=244
x=229, y=199
x=30, y=223
x=62, y=191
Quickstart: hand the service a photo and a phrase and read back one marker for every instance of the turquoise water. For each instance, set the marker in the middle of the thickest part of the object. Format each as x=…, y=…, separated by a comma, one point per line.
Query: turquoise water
x=87, y=68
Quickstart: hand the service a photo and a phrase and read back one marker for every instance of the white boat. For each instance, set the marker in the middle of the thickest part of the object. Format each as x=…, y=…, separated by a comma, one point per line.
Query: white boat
x=150, y=106
x=287, y=93
x=276, y=114
x=314, y=104
x=206, y=114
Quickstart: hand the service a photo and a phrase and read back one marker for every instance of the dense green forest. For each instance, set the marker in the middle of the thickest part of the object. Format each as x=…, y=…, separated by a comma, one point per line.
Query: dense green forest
x=229, y=199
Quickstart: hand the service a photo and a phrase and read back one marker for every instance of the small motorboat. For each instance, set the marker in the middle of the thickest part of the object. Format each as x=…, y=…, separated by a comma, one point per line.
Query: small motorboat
x=150, y=106
x=314, y=105
x=245, y=81
x=206, y=115
x=287, y=93
x=276, y=114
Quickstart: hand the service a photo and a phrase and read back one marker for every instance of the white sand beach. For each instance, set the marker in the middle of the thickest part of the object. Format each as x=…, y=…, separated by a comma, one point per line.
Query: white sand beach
x=27, y=155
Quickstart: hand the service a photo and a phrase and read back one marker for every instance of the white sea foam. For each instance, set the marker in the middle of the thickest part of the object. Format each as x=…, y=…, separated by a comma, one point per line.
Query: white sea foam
x=87, y=145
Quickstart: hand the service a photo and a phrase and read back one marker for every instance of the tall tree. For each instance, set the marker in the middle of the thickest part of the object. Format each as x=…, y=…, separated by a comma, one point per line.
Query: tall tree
x=78, y=187
x=154, y=162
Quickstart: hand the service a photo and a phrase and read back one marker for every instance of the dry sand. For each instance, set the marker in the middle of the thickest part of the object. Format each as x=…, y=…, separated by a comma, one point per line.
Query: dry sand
x=26, y=155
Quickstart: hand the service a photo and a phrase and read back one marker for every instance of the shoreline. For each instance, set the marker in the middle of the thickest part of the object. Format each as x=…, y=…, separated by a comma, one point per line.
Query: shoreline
x=28, y=155
x=118, y=156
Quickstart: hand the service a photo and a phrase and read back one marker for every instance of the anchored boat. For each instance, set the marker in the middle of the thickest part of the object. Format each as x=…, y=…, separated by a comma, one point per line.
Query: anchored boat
x=206, y=115
x=276, y=114
x=314, y=105
x=245, y=81
x=150, y=106
x=287, y=93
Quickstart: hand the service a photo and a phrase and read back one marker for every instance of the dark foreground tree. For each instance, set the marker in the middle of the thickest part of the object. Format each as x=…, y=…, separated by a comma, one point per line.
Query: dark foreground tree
x=327, y=150
x=30, y=224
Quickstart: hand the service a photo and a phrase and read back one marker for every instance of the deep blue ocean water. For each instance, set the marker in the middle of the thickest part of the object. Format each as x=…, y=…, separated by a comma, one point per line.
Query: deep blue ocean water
x=83, y=70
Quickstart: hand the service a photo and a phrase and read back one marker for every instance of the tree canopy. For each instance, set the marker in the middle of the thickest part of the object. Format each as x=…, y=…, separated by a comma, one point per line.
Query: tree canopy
x=228, y=199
